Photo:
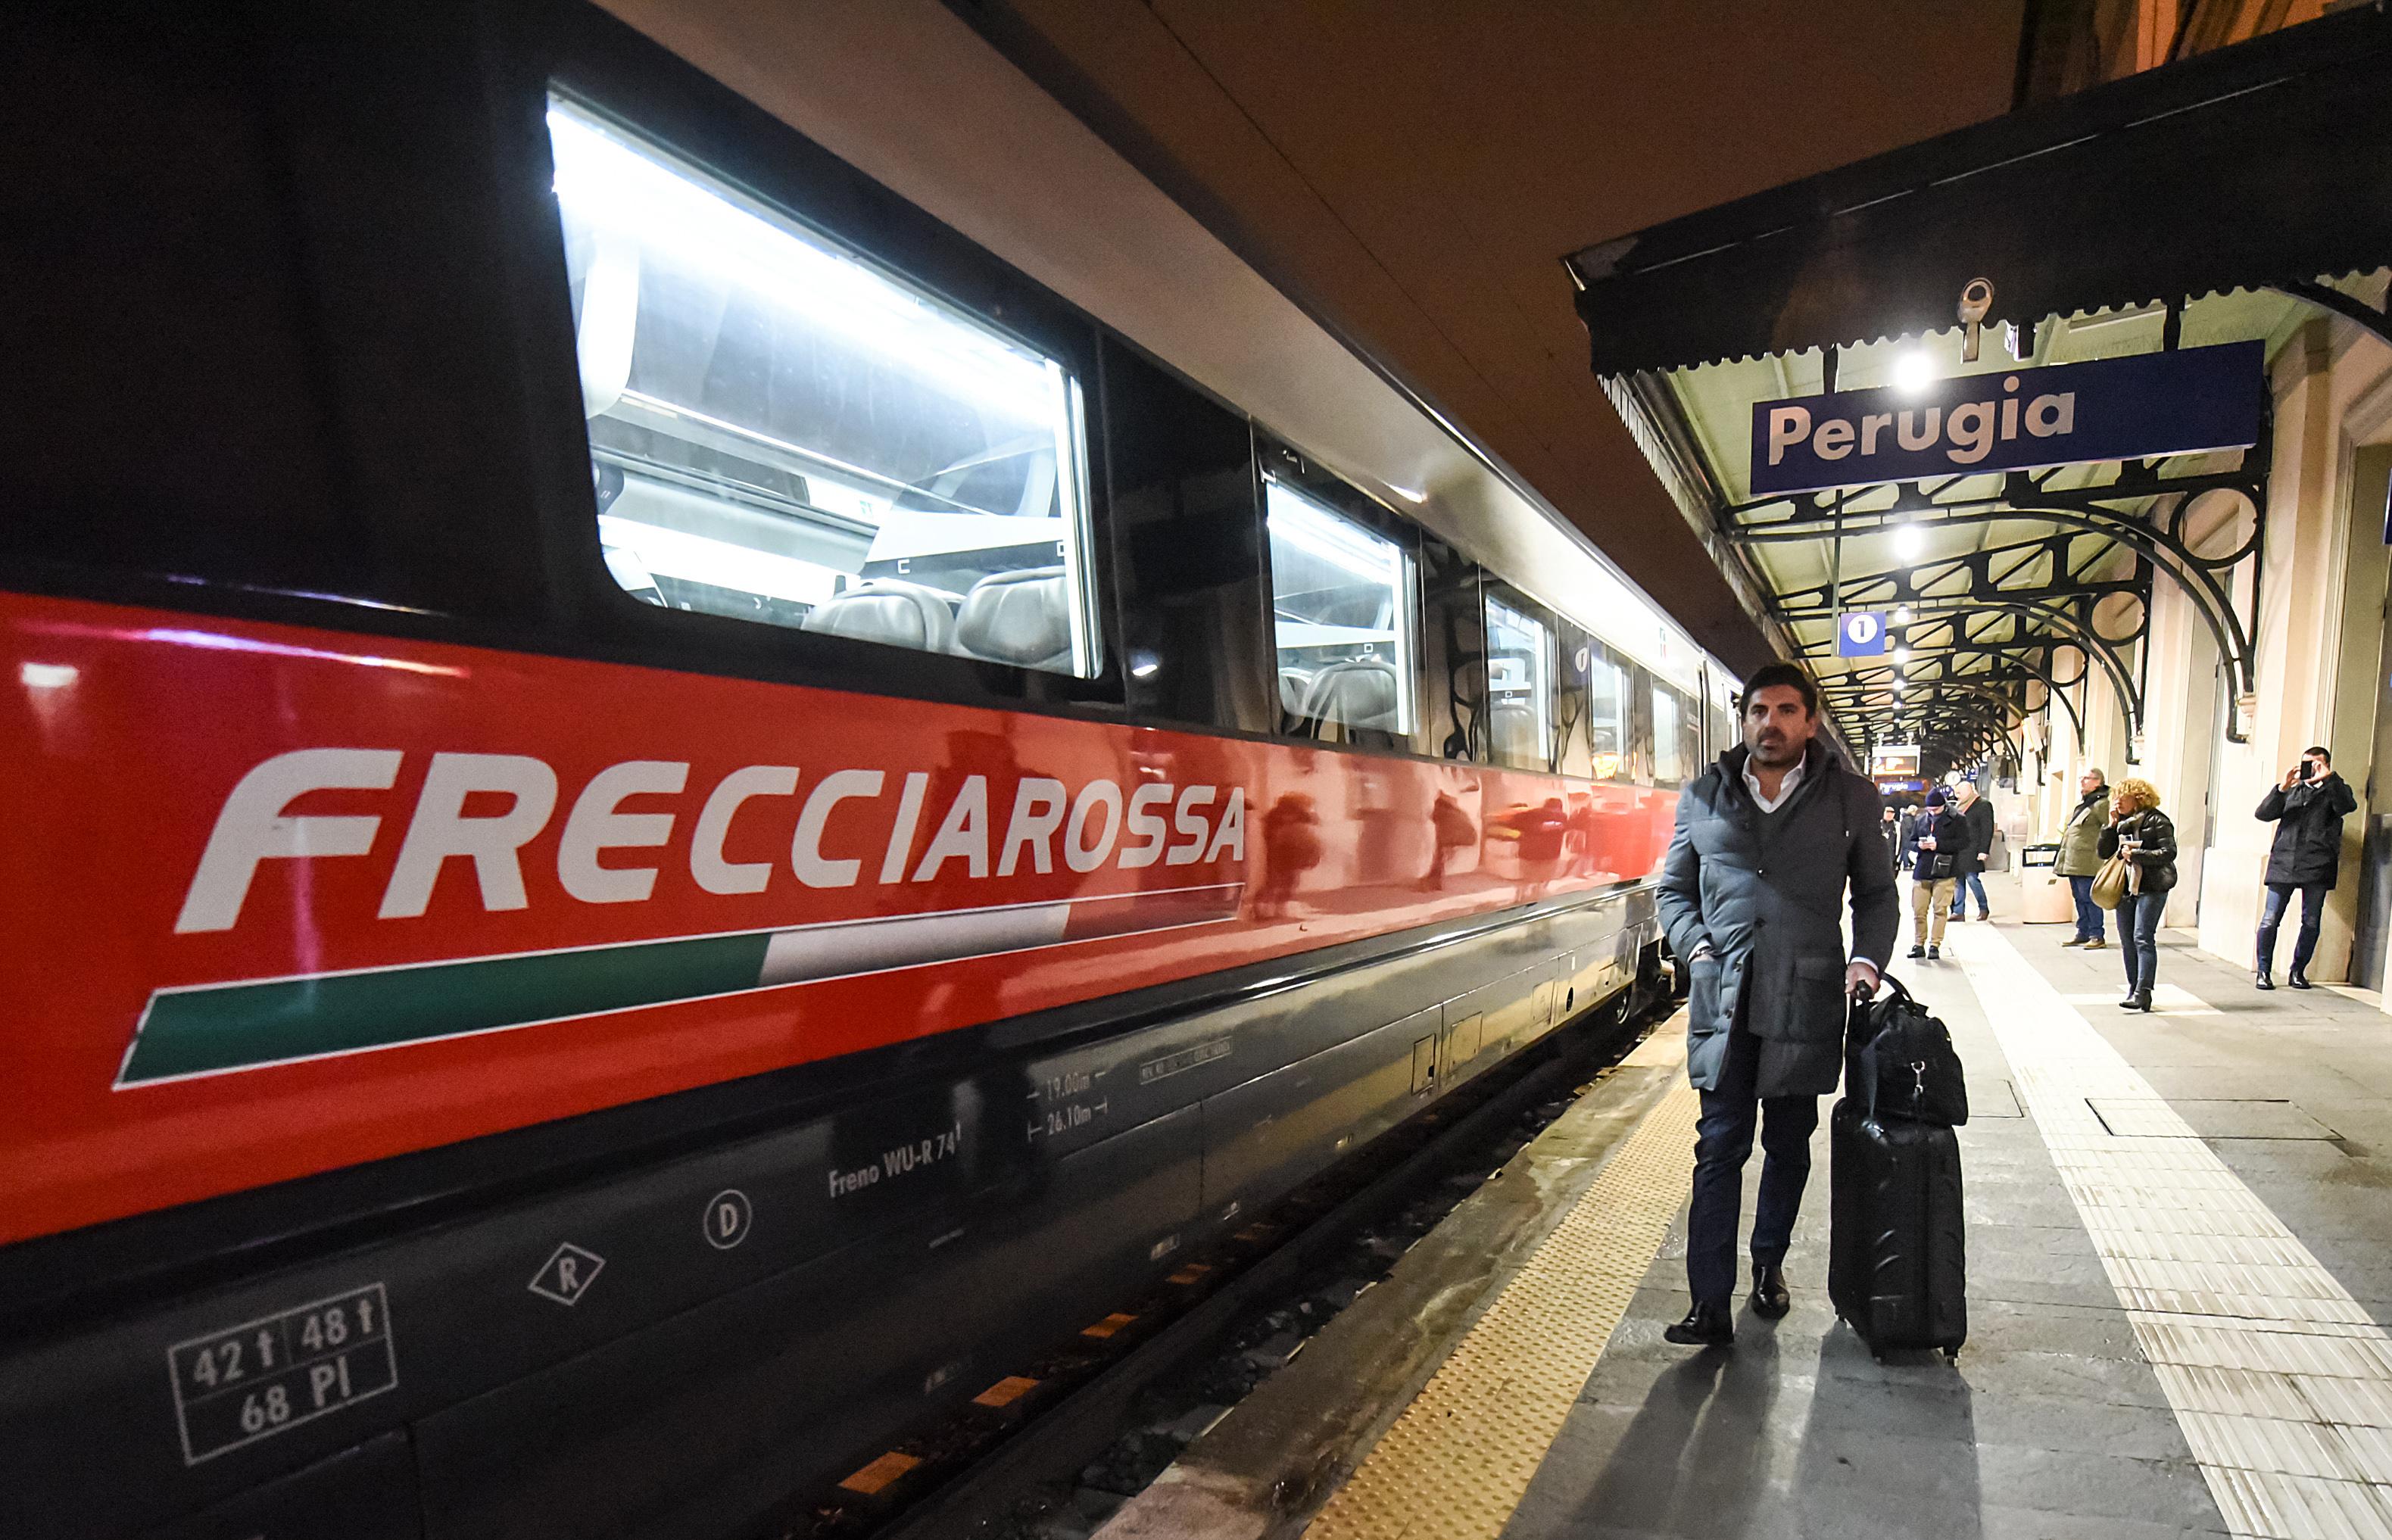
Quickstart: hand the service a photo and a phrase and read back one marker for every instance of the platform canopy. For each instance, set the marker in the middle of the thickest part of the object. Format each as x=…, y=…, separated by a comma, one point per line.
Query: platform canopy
x=2233, y=198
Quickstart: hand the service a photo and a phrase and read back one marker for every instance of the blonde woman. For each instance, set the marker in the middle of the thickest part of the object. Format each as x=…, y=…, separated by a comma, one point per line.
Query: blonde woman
x=2143, y=835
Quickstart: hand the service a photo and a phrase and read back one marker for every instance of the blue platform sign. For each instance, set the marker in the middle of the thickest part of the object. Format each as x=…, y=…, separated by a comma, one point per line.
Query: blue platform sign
x=2013, y=420
x=1860, y=634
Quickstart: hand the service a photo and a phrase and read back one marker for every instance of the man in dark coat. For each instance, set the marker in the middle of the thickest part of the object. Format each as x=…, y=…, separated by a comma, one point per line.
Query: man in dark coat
x=1978, y=814
x=1752, y=889
x=2307, y=810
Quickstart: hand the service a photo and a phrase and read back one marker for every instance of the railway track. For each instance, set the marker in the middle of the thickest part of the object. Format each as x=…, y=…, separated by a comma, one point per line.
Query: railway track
x=1060, y=1437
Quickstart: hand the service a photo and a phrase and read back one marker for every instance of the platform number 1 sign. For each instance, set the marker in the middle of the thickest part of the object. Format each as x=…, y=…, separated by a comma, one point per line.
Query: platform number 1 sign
x=1860, y=634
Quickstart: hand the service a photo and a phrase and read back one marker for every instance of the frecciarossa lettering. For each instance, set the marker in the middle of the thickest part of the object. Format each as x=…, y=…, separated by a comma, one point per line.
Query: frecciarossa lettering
x=853, y=827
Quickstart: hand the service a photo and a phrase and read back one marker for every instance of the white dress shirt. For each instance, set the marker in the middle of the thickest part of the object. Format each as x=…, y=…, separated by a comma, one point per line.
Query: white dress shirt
x=1784, y=787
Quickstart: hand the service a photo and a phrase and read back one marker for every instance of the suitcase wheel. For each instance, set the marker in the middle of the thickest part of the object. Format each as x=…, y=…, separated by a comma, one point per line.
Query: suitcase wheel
x=1951, y=1355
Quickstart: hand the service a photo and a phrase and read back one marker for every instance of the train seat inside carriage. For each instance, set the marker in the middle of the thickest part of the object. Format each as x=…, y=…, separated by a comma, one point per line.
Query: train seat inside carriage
x=1514, y=732
x=1359, y=693
x=886, y=610
x=1022, y=617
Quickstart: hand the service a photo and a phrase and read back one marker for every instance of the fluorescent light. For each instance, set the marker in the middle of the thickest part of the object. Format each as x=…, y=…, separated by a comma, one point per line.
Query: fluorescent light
x=1913, y=371
x=609, y=181
x=47, y=676
x=1409, y=495
x=717, y=563
x=1313, y=529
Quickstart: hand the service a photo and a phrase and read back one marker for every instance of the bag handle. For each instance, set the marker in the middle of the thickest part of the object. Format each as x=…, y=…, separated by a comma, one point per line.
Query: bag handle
x=1865, y=1057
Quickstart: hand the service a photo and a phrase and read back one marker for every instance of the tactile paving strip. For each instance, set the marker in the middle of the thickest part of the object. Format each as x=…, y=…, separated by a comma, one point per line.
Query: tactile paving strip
x=1459, y=1459
x=2282, y=1381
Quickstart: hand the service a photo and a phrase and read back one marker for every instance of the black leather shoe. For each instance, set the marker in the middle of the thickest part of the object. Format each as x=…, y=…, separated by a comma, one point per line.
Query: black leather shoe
x=1918, y=952
x=1705, y=1326
x=2142, y=1002
x=2264, y=981
x=2298, y=980
x=1769, y=1300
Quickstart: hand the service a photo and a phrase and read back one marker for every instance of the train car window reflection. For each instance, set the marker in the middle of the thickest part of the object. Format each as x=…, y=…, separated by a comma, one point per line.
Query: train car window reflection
x=1519, y=687
x=1342, y=617
x=1669, y=758
x=781, y=432
x=1606, y=718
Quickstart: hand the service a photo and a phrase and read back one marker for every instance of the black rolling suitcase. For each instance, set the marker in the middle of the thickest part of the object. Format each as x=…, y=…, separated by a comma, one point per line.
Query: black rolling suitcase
x=1897, y=1263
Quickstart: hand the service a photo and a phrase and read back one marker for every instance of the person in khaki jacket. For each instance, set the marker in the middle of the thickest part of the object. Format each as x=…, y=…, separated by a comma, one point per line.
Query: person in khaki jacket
x=2080, y=858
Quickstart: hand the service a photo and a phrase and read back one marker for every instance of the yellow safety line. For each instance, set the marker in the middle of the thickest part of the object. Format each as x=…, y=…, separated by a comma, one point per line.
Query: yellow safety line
x=1458, y=1461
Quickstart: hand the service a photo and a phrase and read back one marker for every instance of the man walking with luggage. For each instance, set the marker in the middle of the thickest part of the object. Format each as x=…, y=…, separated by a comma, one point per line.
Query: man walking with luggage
x=2306, y=857
x=1978, y=814
x=1768, y=840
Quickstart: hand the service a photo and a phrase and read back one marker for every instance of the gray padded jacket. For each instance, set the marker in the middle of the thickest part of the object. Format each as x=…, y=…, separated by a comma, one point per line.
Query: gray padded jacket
x=1768, y=897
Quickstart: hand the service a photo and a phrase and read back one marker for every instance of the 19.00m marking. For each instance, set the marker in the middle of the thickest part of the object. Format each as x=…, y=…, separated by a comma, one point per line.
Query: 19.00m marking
x=251, y=1381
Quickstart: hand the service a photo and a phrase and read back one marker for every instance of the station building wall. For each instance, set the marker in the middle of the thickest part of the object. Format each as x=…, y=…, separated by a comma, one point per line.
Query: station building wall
x=2324, y=673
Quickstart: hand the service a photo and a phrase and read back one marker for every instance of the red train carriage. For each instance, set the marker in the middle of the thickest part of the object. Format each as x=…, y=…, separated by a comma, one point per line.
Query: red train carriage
x=654, y=799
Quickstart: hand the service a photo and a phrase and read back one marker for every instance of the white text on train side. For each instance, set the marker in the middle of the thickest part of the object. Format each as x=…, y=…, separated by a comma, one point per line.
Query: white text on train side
x=846, y=819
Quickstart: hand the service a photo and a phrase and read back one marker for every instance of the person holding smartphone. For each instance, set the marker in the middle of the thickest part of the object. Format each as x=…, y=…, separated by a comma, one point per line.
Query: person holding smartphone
x=2307, y=808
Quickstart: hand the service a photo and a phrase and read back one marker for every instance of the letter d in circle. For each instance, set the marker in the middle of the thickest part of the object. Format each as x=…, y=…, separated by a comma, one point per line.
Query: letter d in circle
x=728, y=1219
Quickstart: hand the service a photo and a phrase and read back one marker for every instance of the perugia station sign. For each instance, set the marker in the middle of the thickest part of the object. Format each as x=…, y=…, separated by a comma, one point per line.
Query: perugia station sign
x=2012, y=420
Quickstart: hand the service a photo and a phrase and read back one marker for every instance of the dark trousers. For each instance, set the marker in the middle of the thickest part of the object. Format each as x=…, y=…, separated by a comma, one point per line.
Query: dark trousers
x=2280, y=896
x=1960, y=893
x=1722, y=1140
x=2138, y=937
x=2088, y=913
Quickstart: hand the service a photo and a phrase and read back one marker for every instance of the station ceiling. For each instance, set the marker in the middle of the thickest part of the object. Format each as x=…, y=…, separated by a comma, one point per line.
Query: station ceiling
x=2184, y=207
x=1412, y=172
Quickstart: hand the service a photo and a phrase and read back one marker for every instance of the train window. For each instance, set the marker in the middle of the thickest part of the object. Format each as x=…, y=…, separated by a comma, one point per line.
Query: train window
x=166, y=413
x=782, y=432
x=1606, y=718
x=1519, y=687
x=1341, y=617
x=1676, y=741
x=1188, y=543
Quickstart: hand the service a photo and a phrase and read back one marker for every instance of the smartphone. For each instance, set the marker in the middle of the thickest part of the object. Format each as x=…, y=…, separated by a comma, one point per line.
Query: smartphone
x=2309, y=767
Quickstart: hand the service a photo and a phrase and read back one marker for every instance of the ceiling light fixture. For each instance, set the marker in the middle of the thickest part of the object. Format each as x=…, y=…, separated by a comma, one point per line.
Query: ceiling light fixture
x=1908, y=541
x=1913, y=371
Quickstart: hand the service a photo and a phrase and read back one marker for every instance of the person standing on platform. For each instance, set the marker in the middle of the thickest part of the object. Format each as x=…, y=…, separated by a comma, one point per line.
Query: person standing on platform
x=1768, y=840
x=2142, y=833
x=2307, y=810
x=1891, y=829
x=1978, y=814
x=2080, y=859
x=1938, y=847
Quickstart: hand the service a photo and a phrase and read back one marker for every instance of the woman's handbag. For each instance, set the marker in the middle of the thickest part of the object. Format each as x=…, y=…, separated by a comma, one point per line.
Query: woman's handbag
x=2114, y=882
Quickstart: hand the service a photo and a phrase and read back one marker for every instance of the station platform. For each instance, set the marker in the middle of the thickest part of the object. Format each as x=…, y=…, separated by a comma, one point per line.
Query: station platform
x=2179, y=1275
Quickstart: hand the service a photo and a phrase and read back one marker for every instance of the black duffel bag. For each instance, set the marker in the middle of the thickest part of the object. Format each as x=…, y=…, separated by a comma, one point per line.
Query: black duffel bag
x=1900, y=1062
